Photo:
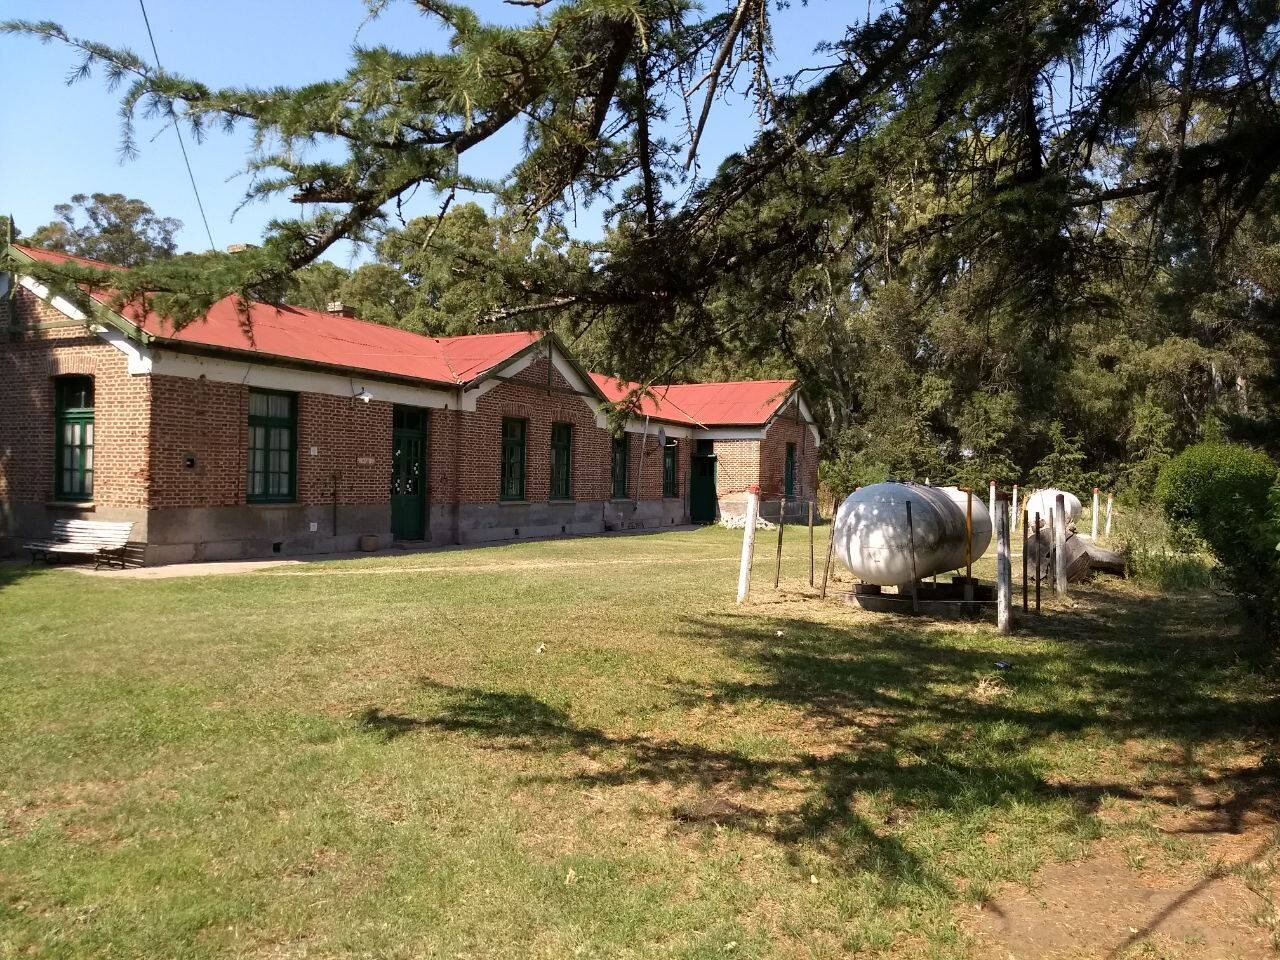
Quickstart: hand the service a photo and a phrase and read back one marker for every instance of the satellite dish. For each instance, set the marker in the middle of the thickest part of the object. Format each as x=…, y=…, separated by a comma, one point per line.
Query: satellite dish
x=662, y=437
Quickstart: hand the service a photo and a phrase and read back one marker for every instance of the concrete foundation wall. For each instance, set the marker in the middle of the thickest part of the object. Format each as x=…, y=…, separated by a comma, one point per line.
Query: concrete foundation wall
x=491, y=522
x=31, y=521
x=193, y=534
x=188, y=534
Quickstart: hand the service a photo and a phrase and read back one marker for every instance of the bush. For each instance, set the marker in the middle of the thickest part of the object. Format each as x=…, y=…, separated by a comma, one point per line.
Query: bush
x=1208, y=479
x=1225, y=494
x=1162, y=555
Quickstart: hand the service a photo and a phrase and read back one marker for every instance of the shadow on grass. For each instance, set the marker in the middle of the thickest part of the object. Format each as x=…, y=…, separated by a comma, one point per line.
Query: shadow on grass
x=15, y=571
x=893, y=725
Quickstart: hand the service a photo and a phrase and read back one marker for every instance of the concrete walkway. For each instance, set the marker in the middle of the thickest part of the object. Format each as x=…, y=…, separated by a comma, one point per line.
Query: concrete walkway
x=215, y=568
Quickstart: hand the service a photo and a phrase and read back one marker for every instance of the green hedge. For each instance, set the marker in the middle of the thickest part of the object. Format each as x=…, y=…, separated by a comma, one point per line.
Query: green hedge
x=1227, y=495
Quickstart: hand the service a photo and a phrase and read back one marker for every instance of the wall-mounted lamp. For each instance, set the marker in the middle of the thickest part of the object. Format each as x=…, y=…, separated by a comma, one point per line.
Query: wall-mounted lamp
x=364, y=395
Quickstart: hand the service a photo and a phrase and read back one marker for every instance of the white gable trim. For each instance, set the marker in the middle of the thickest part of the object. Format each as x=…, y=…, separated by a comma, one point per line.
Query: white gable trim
x=500, y=374
x=59, y=303
x=797, y=400
x=140, y=358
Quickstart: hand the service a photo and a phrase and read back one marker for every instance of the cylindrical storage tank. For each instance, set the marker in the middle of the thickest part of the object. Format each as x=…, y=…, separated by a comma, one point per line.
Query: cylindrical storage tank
x=873, y=539
x=1042, y=502
x=982, y=526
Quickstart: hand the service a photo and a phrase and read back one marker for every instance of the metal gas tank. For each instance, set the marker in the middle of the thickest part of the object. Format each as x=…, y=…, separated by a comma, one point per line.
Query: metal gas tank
x=874, y=540
x=1042, y=502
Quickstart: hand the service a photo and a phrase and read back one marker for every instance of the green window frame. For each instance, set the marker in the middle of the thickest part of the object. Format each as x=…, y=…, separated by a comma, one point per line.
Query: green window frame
x=73, y=414
x=618, y=466
x=273, y=447
x=562, y=461
x=670, y=480
x=514, y=430
x=789, y=474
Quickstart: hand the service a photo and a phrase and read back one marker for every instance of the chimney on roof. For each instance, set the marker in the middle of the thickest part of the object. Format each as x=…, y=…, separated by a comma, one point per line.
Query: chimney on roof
x=340, y=309
x=241, y=247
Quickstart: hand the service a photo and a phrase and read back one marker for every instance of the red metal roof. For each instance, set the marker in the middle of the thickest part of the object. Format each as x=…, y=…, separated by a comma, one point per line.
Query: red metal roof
x=742, y=403
x=313, y=336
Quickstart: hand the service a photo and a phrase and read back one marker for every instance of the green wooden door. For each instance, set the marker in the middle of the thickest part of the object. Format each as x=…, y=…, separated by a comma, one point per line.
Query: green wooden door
x=408, y=473
x=702, y=484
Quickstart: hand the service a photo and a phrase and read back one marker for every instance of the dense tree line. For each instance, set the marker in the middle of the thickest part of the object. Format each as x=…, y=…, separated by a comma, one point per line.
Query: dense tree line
x=1021, y=240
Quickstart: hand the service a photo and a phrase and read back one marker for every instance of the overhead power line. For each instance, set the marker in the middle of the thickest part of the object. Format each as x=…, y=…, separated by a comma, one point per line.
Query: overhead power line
x=177, y=128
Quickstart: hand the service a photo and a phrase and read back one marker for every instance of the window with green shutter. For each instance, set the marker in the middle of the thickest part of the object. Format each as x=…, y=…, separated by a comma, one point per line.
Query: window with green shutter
x=562, y=461
x=273, y=442
x=670, y=485
x=513, y=434
x=619, y=467
x=73, y=411
x=789, y=478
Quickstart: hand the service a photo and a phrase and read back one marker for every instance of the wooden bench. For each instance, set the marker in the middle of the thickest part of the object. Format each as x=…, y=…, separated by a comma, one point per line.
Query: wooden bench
x=104, y=540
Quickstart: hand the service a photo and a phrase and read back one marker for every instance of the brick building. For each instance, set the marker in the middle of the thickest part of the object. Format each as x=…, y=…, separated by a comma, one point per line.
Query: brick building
x=301, y=431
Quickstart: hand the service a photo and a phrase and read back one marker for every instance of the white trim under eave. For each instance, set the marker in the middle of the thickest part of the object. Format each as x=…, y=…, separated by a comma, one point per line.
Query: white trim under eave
x=171, y=363
x=731, y=433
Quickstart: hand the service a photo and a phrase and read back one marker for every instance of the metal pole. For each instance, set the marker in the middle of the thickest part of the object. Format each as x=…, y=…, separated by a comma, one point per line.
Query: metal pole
x=911, y=533
x=748, y=543
x=1110, y=498
x=644, y=442
x=1037, y=561
x=826, y=568
x=1004, y=570
x=1060, y=545
x=811, y=542
x=991, y=508
x=968, y=536
x=1024, y=560
x=1093, y=533
x=782, y=522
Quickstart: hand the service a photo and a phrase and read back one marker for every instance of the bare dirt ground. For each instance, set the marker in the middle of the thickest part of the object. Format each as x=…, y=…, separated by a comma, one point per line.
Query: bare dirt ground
x=1118, y=904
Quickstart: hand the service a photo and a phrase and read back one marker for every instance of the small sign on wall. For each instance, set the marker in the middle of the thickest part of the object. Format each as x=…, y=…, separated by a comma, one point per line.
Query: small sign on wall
x=365, y=461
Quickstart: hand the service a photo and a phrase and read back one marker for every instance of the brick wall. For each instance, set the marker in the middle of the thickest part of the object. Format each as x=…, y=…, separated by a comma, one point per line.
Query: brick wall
x=208, y=421
x=525, y=395
x=773, y=455
x=737, y=467
x=350, y=437
x=39, y=345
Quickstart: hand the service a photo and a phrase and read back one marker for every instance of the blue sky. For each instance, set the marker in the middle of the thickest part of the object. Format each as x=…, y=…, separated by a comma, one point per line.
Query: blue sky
x=70, y=135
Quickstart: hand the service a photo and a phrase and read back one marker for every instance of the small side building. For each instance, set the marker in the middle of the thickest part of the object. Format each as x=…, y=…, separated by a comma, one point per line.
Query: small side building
x=266, y=430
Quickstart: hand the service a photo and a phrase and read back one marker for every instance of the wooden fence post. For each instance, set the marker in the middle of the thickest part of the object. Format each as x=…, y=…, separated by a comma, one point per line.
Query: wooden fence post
x=1060, y=545
x=1039, y=570
x=1024, y=561
x=782, y=522
x=1110, y=499
x=1004, y=569
x=811, y=511
x=1093, y=532
x=748, y=543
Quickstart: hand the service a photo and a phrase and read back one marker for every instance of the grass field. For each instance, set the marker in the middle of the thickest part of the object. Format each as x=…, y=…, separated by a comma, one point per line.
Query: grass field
x=583, y=748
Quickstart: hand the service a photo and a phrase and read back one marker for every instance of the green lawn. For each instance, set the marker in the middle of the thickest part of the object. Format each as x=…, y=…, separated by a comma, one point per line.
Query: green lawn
x=372, y=757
